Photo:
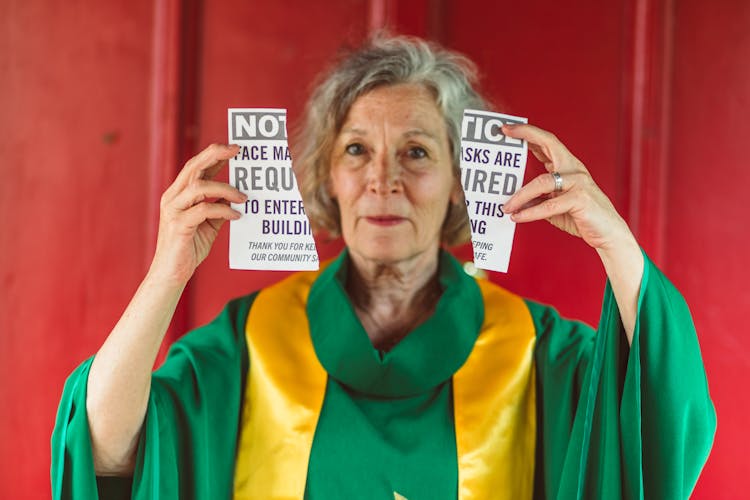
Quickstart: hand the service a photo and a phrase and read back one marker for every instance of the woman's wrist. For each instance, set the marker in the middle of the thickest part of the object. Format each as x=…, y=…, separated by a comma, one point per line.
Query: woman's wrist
x=166, y=277
x=622, y=256
x=624, y=264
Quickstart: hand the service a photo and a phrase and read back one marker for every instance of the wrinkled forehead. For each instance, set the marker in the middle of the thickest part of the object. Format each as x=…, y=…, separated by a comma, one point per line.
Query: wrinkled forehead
x=401, y=108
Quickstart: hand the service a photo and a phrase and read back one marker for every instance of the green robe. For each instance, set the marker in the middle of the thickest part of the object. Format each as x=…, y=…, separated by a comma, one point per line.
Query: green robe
x=612, y=421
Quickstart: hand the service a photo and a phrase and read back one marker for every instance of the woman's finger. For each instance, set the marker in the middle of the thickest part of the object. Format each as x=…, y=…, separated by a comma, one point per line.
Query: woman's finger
x=206, y=164
x=545, y=146
x=541, y=185
x=201, y=190
x=559, y=205
x=201, y=212
x=539, y=153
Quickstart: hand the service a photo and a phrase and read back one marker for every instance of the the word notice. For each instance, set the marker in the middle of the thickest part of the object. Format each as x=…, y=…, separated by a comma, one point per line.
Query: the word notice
x=273, y=232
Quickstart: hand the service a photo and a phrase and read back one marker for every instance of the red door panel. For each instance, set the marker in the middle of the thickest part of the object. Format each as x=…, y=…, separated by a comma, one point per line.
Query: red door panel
x=74, y=98
x=707, y=237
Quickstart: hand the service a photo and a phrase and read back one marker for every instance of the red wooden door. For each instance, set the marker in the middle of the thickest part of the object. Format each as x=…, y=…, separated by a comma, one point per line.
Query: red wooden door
x=101, y=102
x=705, y=235
x=74, y=100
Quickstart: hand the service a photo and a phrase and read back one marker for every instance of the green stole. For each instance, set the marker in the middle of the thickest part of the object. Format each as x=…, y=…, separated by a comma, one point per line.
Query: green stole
x=303, y=330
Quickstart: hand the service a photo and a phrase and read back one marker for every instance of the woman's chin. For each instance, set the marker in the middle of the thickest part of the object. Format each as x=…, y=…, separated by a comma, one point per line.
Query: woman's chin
x=388, y=251
x=384, y=250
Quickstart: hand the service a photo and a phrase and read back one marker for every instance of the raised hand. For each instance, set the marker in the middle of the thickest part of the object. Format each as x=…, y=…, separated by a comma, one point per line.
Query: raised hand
x=192, y=211
x=578, y=207
x=569, y=198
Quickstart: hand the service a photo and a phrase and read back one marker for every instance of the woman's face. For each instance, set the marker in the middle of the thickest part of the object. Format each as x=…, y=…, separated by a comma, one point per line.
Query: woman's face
x=391, y=174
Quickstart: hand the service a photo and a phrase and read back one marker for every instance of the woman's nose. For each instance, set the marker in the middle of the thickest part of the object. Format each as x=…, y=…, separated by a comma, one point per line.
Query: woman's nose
x=385, y=174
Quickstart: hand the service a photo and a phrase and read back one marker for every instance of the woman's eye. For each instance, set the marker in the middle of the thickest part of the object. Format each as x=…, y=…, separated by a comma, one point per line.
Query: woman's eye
x=417, y=153
x=355, y=149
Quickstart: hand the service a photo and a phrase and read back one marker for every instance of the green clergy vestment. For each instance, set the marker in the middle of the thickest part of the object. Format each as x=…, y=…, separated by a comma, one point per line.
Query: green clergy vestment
x=612, y=421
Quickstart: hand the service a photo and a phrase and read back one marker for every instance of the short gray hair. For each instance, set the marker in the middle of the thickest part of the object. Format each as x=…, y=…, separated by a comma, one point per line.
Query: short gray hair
x=383, y=60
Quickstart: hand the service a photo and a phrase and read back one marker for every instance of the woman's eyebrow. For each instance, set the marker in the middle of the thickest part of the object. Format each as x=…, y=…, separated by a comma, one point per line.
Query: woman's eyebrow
x=354, y=131
x=420, y=132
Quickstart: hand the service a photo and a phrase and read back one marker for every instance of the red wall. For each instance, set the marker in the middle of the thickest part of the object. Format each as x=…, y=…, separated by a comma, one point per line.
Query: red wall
x=74, y=91
x=102, y=101
x=706, y=235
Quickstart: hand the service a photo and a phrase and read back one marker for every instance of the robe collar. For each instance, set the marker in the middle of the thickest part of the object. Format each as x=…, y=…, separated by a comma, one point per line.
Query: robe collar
x=428, y=356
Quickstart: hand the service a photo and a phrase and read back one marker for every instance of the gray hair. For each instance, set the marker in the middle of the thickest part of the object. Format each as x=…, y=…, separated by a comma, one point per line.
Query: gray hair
x=384, y=60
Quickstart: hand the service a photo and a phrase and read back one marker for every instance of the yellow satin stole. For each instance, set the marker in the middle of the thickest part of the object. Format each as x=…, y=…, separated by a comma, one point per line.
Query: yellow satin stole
x=494, y=402
x=494, y=398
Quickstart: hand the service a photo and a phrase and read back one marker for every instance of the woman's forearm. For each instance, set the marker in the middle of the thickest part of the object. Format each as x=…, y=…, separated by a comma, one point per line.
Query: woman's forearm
x=623, y=264
x=192, y=210
x=119, y=380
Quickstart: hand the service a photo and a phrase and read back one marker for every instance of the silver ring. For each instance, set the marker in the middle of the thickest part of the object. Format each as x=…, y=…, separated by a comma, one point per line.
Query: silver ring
x=558, y=181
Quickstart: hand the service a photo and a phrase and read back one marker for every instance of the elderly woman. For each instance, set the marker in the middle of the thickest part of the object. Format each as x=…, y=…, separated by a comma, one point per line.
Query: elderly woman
x=391, y=373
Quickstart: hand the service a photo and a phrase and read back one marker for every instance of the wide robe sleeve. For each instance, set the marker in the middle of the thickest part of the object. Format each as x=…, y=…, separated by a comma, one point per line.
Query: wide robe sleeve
x=189, y=436
x=618, y=421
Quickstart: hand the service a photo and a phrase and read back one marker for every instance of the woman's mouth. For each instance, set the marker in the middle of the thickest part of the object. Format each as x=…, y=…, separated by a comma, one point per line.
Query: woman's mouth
x=384, y=220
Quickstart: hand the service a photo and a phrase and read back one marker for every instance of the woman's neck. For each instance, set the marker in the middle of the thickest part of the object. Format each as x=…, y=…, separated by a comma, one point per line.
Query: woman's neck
x=391, y=299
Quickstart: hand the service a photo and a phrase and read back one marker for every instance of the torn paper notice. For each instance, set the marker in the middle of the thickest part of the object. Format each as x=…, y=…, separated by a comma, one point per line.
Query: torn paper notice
x=492, y=168
x=273, y=232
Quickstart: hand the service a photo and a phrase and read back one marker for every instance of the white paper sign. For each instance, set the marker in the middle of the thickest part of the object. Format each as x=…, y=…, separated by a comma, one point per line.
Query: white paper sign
x=492, y=168
x=273, y=232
